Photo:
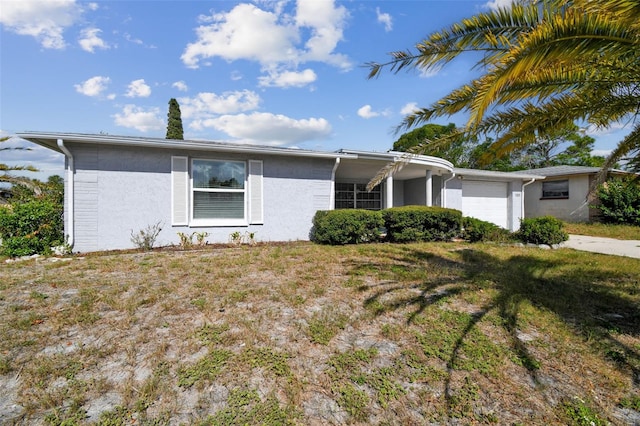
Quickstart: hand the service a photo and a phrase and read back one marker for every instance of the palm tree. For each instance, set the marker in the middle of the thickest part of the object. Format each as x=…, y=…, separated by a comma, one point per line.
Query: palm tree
x=547, y=64
x=7, y=177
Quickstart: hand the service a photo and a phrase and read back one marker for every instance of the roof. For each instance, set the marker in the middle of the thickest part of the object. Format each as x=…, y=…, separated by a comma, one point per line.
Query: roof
x=491, y=174
x=50, y=140
x=568, y=171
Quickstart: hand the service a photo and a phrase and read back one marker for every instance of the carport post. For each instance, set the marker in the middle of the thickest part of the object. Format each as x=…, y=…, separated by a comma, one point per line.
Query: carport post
x=389, y=192
x=429, y=189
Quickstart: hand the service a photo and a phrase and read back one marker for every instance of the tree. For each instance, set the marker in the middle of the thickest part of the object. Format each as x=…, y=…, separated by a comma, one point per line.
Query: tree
x=547, y=64
x=463, y=152
x=174, y=121
x=7, y=177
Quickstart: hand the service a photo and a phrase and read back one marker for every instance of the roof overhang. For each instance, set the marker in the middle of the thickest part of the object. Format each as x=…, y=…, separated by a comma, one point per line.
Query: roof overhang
x=490, y=175
x=365, y=165
x=50, y=140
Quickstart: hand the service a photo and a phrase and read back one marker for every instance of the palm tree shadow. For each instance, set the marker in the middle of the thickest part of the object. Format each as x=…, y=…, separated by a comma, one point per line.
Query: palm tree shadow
x=581, y=296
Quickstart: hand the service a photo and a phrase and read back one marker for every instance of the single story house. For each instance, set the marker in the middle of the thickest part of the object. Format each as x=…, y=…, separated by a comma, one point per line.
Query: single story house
x=562, y=192
x=116, y=186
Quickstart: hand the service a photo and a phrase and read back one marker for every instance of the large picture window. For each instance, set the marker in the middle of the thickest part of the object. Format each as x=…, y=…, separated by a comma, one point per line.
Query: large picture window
x=555, y=189
x=218, y=190
x=356, y=196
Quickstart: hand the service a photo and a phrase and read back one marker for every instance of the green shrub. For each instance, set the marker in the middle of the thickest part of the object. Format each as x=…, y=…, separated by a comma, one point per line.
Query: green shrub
x=619, y=202
x=346, y=226
x=542, y=230
x=31, y=227
x=421, y=223
x=475, y=230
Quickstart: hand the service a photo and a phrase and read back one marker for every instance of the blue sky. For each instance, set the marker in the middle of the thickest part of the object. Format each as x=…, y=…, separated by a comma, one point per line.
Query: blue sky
x=287, y=73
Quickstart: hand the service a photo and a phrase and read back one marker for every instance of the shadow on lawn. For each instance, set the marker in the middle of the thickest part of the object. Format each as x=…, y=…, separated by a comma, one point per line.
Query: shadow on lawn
x=583, y=296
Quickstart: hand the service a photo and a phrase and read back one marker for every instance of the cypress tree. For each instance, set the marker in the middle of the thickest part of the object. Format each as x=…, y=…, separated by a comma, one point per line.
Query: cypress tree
x=174, y=121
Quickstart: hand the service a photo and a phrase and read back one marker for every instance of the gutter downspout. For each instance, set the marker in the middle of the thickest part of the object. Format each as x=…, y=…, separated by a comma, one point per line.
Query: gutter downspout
x=522, y=206
x=444, y=188
x=70, y=187
x=332, y=194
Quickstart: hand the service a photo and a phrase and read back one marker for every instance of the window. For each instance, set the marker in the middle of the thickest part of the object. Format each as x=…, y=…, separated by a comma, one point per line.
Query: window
x=215, y=192
x=218, y=189
x=555, y=189
x=356, y=196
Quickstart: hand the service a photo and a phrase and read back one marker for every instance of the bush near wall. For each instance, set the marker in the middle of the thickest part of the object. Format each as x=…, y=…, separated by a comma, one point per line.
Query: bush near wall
x=542, y=230
x=620, y=202
x=339, y=227
x=31, y=227
x=476, y=230
x=421, y=223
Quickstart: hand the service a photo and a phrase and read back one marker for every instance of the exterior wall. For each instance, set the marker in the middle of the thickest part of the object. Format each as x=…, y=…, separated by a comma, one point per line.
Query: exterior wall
x=121, y=189
x=573, y=209
x=398, y=193
x=453, y=194
x=415, y=192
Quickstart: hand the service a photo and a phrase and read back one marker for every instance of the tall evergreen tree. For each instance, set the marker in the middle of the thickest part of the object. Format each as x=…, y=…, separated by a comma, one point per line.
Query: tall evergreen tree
x=174, y=121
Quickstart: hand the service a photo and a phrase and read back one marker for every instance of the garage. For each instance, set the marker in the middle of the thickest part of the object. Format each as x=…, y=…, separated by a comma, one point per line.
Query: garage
x=487, y=201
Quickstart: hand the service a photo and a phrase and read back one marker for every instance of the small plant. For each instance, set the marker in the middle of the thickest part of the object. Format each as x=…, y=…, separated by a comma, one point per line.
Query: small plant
x=236, y=238
x=250, y=238
x=326, y=324
x=201, y=237
x=206, y=368
x=581, y=414
x=185, y=240
x=145, y=239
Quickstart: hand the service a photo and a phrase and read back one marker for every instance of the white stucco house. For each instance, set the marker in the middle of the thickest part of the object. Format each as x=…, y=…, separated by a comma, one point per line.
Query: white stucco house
x=116, y=184
x=562, y=192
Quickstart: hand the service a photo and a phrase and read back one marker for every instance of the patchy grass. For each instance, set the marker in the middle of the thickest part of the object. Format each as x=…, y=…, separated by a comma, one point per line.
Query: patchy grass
x=621, y=232
x=304, y=334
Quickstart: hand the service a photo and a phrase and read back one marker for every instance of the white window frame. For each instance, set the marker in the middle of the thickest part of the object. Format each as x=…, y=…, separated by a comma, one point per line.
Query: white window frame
x=219, y=222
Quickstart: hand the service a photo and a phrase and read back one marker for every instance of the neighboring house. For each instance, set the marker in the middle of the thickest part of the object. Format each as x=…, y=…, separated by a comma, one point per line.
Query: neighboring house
x=118, y=185
x=563, y=192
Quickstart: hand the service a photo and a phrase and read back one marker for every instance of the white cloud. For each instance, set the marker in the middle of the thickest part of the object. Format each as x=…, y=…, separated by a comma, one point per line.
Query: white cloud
x=384, y=18
x=206, y=104
x=138, y=89
x=266, y=128
x=288, y=79
x=93, y=86
x=46, y=21
x=498, y=4
x=180, y=85
x=327, y=23
x=246, y=32
x=90, y=39
x=409, y=108
x=367, y=112
x=272, y=38
x=141, y=119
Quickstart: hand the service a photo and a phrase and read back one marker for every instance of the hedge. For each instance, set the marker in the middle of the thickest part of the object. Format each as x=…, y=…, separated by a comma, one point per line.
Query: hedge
x=421, y=223
x=347, y=226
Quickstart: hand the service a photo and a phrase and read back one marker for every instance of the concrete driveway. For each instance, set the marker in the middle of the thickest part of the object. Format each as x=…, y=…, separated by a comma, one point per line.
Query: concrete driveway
x=629, y=248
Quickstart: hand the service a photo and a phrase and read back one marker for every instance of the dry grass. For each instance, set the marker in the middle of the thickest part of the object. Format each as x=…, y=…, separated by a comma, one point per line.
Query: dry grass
x=622, y=232
x=306, y=334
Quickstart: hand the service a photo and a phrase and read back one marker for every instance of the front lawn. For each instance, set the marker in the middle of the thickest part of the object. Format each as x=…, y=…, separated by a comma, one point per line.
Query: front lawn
x=621, y=232
x=441, y=333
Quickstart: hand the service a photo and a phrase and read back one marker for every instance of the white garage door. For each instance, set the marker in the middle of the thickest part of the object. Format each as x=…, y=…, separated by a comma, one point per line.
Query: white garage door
x=486, y=200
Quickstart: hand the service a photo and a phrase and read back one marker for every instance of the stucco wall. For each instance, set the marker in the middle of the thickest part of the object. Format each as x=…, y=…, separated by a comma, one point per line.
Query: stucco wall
x=572, y=209
x=122, y=189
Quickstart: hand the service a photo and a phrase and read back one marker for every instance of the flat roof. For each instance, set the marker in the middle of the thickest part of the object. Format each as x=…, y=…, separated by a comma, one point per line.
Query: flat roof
x=50, y=140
